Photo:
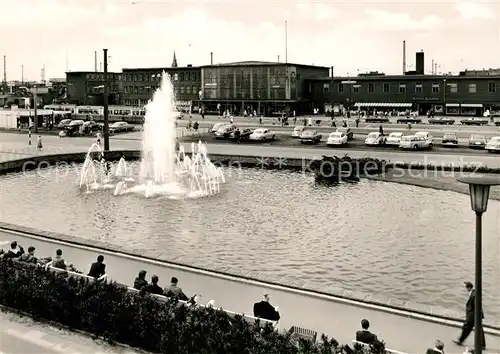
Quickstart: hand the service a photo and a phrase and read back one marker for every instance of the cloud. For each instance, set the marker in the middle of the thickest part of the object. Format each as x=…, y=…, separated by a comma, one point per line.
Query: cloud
x=399, y=21
x=316, y=11
x=474, y=10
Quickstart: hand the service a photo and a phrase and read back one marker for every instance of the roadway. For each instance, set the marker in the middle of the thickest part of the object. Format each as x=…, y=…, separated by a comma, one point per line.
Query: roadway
x=15, y=146
x=321, y=313
x=21, y=335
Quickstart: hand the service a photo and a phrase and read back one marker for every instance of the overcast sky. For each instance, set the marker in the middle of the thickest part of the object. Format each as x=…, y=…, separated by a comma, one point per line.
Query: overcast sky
x=351, y=35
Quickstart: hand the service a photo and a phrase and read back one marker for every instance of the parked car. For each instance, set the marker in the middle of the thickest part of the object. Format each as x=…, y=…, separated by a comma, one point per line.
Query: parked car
x=297, y=131
x=73, y=128
x=89, y=127
x=441, y=121
x=244, y=134
x=216, y=127
x=375, y=138
x=63, y=123
x=346, y=131
x=394, y=139
x=412, y=142
x=310, y=137
x=450, y=139
x=497, y=123
x=121, y=127
x=427, y=136
x=411, y=120
x=224, y=131
x=336, y=139
x=475, y=121
x=377, y=119
x=262, y=134
x=477, y=142
x=493, y=145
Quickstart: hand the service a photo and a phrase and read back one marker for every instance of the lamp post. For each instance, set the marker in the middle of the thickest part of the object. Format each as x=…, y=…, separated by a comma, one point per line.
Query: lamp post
x=479, y=188
x=444, y=96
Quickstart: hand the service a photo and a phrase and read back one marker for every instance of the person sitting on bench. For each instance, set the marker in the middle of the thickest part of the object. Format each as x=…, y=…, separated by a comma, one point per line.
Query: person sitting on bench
x=265, y=310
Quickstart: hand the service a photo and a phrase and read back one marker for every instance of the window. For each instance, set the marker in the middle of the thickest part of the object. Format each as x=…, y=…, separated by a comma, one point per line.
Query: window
x=355, y=88
x=387, y=88
x=176, y=77
x=182, y=90
x=435, y=87
x=418, y=88
x=341, y=88
x=492, y=87
x=402, y=88
x=182, y=76
x=370, y=88
x=194, y=89
x=326, y=87
x=188, y=89
x=472, y=88
x=453, y=87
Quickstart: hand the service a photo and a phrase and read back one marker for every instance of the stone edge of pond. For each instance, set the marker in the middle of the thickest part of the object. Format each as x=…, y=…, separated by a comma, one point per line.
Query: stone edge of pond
x=367, y=298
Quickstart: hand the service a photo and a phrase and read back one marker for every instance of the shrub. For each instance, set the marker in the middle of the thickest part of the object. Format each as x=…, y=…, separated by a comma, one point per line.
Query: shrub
x=109, y=311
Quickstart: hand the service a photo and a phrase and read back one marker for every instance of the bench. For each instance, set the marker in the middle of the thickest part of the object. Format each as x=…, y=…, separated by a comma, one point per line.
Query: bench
x=367, y=348
x=297, y=333
x=163, y=298
x=251, y=319
x=76, y=275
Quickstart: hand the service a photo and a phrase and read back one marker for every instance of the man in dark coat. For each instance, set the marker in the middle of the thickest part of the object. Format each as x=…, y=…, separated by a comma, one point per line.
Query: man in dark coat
x=15, y=251
x=469, y=316
x=140, y=281
x=98, y=269
x=438, y=348
x=265, y=310
x=364, y=335
x=153, y=287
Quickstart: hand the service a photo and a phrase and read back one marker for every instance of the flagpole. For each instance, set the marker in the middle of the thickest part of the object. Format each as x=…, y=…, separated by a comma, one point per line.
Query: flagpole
x=286, y=42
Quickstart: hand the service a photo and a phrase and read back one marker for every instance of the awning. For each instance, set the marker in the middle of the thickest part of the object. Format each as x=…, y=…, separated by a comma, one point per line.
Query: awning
x=452, y=104
x=472, y=105
x=383, y=104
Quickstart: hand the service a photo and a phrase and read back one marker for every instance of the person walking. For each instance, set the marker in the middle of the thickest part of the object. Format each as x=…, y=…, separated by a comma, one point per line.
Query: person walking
x=469, y=316
x=39, y=144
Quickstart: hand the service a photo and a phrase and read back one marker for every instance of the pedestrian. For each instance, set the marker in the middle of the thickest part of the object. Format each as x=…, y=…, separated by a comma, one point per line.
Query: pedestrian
x=29, y=136
x=470, y=312
x=39, y=144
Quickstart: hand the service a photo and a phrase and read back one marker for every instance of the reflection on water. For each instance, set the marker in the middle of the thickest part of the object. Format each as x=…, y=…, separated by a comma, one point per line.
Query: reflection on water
x=402, y=242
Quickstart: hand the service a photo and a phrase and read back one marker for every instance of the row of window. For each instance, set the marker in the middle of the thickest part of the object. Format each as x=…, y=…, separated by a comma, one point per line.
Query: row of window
x=148, y=90
x=180, y=76
x=100, y=76
x=402, y=88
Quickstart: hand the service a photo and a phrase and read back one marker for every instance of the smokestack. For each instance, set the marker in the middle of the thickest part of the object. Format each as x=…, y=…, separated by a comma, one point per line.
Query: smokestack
x=4, y=69
x=331, y=71
x=420, y=63
x=211, y=58
x=95, y=61
x=432, y=67
x=404, y=57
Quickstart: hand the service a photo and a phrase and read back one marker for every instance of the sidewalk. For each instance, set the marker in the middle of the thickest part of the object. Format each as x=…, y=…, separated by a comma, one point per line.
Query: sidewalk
x=22, y=335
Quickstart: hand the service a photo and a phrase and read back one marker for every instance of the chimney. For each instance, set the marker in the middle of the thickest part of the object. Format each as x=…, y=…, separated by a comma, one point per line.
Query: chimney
x=211, y=58
x=5, y=69
x=331, y=71
x=419, y=63
x=95, y=61
x=404, y=57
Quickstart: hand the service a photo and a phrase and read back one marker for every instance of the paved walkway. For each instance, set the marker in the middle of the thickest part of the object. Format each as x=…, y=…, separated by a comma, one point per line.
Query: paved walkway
x=324, y=315
x=21, y=335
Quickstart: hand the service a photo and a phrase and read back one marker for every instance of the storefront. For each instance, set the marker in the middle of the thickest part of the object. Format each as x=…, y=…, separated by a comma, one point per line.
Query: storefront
x=472, y=109
x=452, y=109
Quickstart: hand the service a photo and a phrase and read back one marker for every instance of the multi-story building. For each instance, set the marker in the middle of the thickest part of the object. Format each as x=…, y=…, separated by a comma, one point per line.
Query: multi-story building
x=87, y=88
x=139, y=85
x=268, y=88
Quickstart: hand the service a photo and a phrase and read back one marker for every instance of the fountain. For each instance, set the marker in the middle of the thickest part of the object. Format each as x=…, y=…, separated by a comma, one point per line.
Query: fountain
x=163, y=170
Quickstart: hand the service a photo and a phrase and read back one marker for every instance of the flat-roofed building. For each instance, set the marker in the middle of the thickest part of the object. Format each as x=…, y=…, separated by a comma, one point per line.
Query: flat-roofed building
x=87, y=87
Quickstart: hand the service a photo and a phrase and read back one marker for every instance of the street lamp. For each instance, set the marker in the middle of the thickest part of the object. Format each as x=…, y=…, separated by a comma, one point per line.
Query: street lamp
x=479, y=188
x=444, y=96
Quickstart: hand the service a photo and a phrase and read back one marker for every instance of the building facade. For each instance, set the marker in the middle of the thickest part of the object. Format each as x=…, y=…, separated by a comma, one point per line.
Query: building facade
x=87, y=88
x=464, y=94
x=267, y=88
x=140, y=84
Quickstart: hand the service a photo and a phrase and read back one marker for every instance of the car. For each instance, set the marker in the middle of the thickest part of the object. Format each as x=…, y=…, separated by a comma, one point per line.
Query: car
x=121, y=127
x=450, y=139
x=224, y=131
x=337, y=138
x=493, y=145
x=297, y=131
x=441, y=121
x=244, y=134
x=413, y=142
x=477, y=142
x=497, y=123
x=375, y=138
x=409, y=120
x=63, y=123
x=377, y=119
x=216, y=127
x=310, y=137
x=346, y=131
x=394, y=139
x=89, y=127
x=73, y=127
x=474, y=121
x=427, y=136
x=262, y=134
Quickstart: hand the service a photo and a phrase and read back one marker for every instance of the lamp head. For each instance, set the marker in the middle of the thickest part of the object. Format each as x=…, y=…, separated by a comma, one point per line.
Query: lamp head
x=479, y=188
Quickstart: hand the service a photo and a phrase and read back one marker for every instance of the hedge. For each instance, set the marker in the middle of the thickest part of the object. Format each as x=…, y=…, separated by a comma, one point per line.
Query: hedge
x=109, y=311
